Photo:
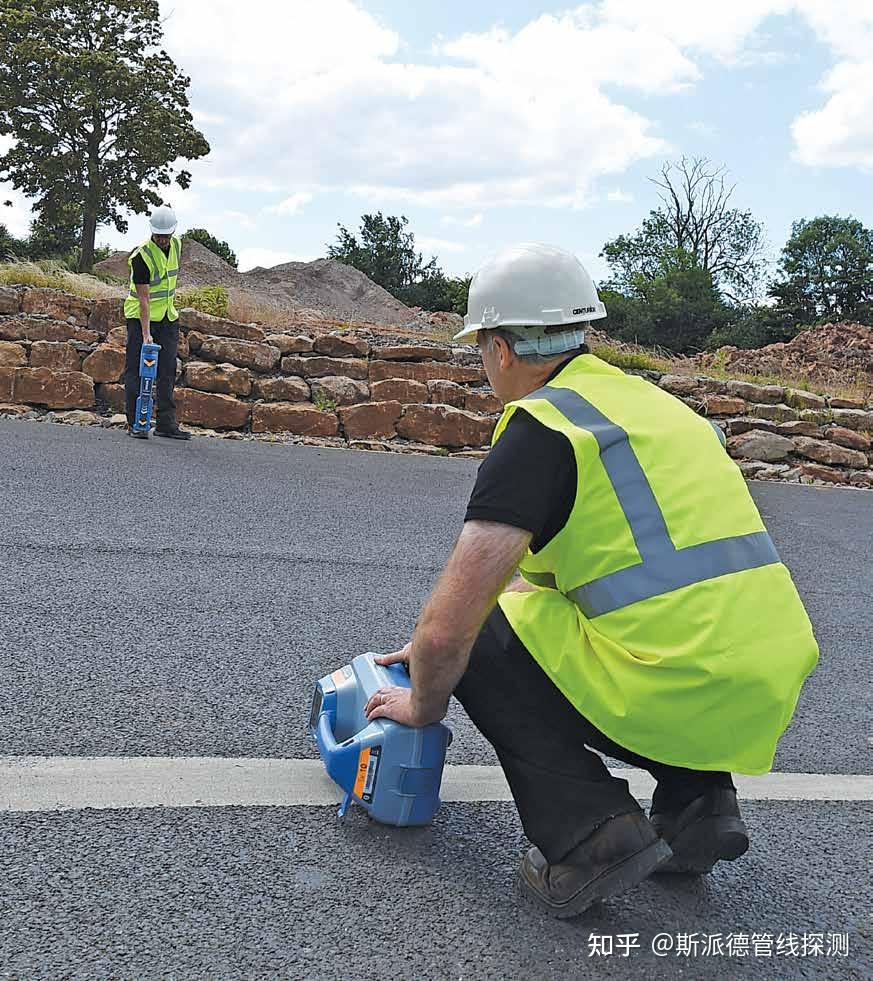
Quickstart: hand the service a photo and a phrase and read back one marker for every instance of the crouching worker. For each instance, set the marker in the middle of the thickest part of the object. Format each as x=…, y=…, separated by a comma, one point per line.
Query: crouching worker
x=150, y=311
x=653, y=621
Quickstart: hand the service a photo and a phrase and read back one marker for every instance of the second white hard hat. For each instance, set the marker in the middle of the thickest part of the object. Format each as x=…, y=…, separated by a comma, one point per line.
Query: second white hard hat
x=163, y=220
x=530, y=286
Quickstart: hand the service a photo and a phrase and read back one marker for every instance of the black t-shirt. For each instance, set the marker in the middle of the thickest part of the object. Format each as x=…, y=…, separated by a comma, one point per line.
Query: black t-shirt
x=528, y=479
x=141, y=272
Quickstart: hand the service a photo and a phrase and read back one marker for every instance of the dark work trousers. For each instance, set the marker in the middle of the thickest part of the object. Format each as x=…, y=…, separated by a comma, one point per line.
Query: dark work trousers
x=562, y=790
x=165, y=333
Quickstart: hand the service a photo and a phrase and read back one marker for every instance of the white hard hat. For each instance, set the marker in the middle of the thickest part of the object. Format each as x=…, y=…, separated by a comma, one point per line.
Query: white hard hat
x=163, y=220
x=528, y=287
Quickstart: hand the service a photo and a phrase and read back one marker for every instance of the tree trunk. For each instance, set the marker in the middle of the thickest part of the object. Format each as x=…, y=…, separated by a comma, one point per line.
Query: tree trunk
x=89, y=232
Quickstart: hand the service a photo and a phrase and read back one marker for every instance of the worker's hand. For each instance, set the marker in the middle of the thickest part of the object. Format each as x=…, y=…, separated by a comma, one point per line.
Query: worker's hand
x=399, y=705
x=396, y=657
x=147, y=339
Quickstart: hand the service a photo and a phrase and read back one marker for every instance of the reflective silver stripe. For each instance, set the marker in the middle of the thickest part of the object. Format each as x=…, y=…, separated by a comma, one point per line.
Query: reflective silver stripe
x=663, y=567
x=172, y=272
x=159, y=294
x=673, y=570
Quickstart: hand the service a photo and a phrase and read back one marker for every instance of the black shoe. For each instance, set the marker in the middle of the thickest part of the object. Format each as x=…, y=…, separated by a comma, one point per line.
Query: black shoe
x=616, y=857
x=137, y=435
x=706, y=831
x=173, y=433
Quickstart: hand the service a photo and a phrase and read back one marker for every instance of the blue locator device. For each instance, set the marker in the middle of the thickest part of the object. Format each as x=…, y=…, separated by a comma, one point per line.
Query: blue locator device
x=391, y=770
x=148, y=372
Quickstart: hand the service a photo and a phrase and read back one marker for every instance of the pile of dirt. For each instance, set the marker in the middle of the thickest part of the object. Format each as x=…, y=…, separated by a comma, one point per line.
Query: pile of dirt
x=310, y=291
x=333, y=288
x=833, y=354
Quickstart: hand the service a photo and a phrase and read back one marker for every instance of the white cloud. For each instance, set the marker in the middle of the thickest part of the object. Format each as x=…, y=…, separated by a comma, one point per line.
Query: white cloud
x=436, y=246
x=474, y=221
x=250, y=258
x=318, y=98
x=292, y=205
x=841, y=132
x=620, y=197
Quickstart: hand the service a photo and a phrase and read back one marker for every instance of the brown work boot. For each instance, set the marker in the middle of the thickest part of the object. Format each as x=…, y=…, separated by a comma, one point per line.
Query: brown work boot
x=615, y=857
x=706, y=831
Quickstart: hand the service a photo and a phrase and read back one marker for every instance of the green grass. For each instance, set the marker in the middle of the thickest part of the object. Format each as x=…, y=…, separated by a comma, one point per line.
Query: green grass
x=323, y=402
x=207, y=299
x=54, y=275
x=631, y=359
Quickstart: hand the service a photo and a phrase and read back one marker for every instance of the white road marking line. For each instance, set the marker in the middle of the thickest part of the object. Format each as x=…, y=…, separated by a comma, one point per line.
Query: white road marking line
x=61, y=783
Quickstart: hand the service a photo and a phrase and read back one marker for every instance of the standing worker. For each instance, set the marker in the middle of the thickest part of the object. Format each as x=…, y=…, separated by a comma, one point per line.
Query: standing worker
x=151, y=316
x=653, y=621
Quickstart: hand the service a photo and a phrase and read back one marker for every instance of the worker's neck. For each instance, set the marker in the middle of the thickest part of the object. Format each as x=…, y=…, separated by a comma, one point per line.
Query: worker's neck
x=529, y=377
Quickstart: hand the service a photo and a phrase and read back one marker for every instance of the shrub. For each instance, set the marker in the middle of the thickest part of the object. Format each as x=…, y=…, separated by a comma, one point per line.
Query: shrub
x=207, y=299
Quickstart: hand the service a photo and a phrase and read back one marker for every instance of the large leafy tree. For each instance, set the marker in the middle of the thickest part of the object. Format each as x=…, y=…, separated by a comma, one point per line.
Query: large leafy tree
x=98, y=110
x=677, y=310
x=826, y=271
x=694, y=219
x=385, y=251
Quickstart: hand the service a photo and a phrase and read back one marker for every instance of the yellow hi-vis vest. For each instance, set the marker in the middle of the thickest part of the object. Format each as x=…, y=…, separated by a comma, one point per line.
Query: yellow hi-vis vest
x=163, y=271
x=663, y=612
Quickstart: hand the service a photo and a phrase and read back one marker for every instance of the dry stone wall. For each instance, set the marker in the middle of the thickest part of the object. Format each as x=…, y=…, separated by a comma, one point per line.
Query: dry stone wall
x=62, y=359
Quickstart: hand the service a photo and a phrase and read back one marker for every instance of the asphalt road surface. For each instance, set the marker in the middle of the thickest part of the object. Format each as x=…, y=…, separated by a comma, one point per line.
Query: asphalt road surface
x=169, y=599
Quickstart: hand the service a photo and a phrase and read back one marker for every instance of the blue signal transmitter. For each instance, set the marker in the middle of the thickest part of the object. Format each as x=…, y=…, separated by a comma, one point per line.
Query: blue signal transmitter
x=148, y=372
x=391, y=770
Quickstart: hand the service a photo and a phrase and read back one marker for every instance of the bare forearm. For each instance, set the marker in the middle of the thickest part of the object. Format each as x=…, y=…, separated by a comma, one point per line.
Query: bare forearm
x=144, y=318
x=477, y=572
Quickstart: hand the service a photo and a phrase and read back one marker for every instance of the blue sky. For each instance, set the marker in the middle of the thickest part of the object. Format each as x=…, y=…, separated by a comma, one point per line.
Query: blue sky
x=487, y=123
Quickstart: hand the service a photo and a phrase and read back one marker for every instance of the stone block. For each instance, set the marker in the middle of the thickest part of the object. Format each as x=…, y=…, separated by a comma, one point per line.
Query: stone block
x=774, y=412
x=12, y=355
x=412, y=352
x=848, y=437
x=57, y=304
x=443, y=425
x=425, y=371
x=299, y=419
x=321, y=367
x=243, y=354
x=856, y=419
x=210, y=410
x=282, y=389
x=226, y=379
x=341, y=346
x=759, y=445
x=106, y=315
x=290, y=344
x=204, y=323
x=52, y=389
x=400, y=390
x=40, y=329
x=823, y=452
x=372, y=420
x=722, y=405
x=105, y=364
x=111, y=395
x=768, y=394
x=339, y=390
x=447, y=393
x=10, y=301
x=814, y=471
x=485, y=402
x=679, y=384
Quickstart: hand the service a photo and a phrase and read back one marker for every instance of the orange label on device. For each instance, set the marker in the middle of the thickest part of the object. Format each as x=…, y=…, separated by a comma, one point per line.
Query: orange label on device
x=363, y=768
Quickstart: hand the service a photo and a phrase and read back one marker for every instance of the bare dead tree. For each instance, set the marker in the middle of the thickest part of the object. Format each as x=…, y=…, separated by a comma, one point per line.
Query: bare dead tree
x=697, y=219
